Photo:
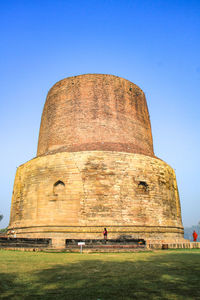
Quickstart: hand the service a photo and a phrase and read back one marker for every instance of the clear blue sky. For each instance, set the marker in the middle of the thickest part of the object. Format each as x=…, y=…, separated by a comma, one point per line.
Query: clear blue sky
x=155, y=44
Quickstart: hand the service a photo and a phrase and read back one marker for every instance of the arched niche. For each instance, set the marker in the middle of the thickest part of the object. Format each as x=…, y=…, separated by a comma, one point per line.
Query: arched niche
x=58, y=188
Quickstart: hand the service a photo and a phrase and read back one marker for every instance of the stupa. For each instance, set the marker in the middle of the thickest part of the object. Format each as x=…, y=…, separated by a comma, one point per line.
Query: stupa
x=95, y=167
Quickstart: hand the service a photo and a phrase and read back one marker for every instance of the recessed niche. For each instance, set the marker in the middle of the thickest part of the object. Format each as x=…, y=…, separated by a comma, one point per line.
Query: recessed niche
x=58, y=187
x=59, y=182
x=143, y=186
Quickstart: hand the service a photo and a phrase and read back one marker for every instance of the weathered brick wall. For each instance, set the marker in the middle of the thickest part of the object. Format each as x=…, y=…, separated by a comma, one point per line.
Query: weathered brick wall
x=95, y=112
x=82, y=192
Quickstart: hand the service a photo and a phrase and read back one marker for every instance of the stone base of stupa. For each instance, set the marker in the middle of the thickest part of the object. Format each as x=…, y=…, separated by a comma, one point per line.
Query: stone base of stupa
x=75, y=195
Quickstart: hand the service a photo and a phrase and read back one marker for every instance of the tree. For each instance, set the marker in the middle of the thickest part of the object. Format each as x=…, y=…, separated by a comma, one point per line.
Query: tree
x=1, y=217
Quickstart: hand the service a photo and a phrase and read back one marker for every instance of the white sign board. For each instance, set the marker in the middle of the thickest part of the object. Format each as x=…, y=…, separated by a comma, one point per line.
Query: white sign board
x=81, y=243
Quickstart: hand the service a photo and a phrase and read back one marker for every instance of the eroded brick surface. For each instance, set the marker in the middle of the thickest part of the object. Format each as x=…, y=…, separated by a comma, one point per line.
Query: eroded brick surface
x=95, y=112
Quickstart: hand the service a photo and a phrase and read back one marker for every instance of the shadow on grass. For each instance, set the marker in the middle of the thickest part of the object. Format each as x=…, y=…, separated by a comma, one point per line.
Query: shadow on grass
x=171, y=276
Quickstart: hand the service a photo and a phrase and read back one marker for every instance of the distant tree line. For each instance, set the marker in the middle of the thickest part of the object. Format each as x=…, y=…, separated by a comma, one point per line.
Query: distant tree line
x=4, y=229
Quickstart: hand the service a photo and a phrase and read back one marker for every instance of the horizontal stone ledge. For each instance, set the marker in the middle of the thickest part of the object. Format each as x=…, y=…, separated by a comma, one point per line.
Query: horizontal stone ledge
x=96, y=226
x=85, y=230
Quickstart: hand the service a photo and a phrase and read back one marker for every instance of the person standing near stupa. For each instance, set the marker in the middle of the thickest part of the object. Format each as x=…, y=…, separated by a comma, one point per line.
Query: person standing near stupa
x=195, y=236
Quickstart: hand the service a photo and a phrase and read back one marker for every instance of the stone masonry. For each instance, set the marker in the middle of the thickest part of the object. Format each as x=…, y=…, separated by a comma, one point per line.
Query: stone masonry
x=95, y=168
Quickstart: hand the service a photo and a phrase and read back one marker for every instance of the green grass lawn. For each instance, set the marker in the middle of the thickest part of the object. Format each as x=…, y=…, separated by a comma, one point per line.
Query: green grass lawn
x=166, y=274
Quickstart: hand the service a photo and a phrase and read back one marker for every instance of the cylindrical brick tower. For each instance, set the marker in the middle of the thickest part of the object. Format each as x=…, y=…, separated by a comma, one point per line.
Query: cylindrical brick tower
x=95, y=168
x=95, y=112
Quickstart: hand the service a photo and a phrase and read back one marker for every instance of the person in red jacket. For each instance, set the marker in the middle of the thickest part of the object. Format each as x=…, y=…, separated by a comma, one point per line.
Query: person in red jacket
x=105, y=233
x=195, y=236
